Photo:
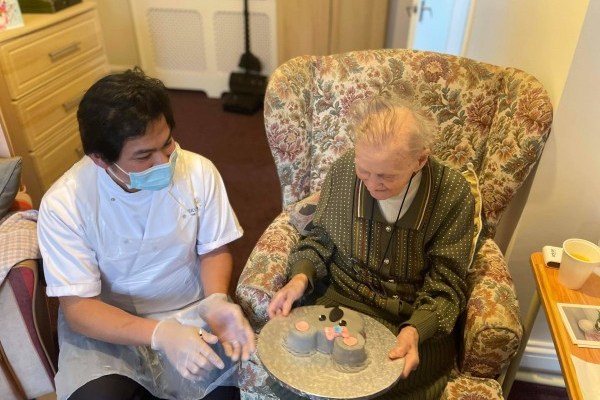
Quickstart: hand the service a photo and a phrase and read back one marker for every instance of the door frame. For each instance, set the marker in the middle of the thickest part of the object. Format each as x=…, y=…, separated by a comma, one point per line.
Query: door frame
x=398, y=15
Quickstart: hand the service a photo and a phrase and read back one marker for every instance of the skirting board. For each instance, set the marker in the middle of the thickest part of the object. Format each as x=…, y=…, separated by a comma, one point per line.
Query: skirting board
x=540, y=364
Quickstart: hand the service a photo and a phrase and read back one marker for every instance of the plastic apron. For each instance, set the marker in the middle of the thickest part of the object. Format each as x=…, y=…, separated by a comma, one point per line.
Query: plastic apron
x=140, y=275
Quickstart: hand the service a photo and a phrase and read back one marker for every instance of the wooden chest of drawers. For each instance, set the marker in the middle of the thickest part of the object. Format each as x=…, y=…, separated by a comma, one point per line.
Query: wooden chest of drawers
x=46, y=66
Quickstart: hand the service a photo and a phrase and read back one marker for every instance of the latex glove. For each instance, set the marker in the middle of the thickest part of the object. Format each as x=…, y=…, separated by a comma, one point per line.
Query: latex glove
x=407, y=346
x=186, y=347
x=228, y=322
x=282, y=301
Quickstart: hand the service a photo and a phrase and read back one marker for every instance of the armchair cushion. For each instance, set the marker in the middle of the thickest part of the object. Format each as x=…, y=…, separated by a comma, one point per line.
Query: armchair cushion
x=302, y=213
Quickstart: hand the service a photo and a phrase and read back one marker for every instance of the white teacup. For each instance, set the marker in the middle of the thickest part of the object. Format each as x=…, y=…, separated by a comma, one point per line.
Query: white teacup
x=579, y=259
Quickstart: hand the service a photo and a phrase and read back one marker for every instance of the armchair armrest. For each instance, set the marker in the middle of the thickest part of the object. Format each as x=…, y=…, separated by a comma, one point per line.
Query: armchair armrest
x=493, y=328
x=25, y=335
x=266, y=269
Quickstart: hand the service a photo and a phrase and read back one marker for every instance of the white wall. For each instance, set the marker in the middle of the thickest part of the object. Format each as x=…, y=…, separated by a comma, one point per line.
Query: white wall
x=565, y=196
x=118, y=33
x=537, y=36
x=398, y=23
x=543, y=38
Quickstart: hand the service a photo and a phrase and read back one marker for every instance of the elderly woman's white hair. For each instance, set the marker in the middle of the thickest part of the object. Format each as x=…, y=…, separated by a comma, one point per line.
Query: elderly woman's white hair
x=377, y=120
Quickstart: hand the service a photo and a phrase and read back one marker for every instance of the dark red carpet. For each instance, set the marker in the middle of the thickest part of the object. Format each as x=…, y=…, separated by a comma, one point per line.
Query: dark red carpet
x=237, y=145
x=531, y=391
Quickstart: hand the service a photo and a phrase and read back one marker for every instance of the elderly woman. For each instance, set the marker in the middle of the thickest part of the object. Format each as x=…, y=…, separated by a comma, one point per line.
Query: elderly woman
x=392, y=238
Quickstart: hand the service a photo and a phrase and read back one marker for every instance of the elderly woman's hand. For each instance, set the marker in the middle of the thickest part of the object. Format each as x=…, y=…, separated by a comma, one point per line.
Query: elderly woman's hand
x=282, y=301
x=407, y=346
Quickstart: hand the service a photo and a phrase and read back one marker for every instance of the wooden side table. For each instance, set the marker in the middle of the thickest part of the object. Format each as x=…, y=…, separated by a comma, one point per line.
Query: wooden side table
x=550, y=292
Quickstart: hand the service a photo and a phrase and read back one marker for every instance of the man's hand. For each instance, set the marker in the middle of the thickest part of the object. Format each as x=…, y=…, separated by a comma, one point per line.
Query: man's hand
x=185, y=348
x=407, y=346
x=228, y=322
x=282, y=301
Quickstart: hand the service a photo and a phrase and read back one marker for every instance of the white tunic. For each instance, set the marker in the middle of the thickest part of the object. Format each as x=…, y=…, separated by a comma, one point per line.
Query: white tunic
x=137, y=251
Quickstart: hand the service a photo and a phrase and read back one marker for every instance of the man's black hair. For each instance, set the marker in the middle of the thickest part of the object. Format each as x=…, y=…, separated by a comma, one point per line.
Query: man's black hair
x=118, y=107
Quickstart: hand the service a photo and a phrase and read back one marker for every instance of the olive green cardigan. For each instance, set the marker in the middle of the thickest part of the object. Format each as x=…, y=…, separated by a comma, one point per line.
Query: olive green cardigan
x=420, y=281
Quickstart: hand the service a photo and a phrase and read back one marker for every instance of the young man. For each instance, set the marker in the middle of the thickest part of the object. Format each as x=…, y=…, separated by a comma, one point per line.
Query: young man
x=134, y=241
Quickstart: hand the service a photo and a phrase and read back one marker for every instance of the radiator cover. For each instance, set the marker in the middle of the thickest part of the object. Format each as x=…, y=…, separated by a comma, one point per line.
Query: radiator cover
x=197, y=44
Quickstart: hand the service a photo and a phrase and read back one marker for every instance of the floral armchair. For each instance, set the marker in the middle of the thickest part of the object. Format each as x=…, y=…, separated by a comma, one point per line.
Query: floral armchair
x=496, y=118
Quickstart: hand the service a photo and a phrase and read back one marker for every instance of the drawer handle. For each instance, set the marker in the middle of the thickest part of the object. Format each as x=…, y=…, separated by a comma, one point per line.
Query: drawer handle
x=71, y=104
x=62, y=53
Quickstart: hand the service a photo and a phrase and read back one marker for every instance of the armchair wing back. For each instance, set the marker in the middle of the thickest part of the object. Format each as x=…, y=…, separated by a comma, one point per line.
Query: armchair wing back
x=496, y=118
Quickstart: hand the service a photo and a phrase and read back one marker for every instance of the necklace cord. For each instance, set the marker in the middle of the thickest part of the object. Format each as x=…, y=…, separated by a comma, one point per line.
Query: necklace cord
x=354, y=260
x=387, y=247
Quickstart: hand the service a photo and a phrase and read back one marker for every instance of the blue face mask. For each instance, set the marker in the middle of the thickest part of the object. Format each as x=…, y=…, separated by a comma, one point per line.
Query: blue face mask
x=155, y=178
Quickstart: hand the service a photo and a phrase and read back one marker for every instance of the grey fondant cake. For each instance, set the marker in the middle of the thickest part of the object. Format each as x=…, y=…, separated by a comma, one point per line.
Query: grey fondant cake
x=329, y=330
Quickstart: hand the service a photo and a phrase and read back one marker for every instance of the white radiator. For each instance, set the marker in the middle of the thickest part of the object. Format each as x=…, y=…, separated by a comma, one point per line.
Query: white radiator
x=196, y=44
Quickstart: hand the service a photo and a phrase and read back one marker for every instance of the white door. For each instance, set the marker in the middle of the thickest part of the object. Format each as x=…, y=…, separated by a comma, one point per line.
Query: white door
x=434, y=25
